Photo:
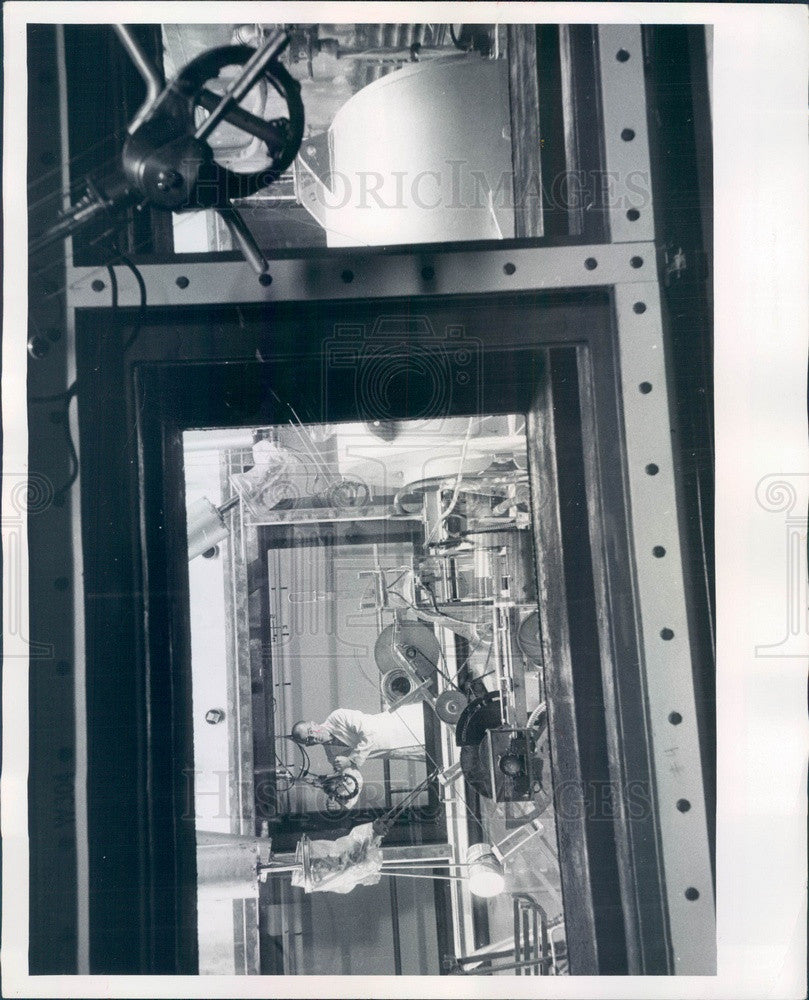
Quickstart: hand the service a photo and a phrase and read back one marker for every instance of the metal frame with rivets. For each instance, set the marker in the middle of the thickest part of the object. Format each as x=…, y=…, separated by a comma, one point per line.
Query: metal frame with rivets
x=373, y=275
x=630, y=270
x=627, y=265
x=659, y=566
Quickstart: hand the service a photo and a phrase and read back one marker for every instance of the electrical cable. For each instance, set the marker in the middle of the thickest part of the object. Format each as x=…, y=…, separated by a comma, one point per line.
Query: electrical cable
x=437, y=669
x=59, y=494
x=66, y=397
x=456, y=42
x=127, y=262
x=438, y=611
x=304, y=766
x=444, y=514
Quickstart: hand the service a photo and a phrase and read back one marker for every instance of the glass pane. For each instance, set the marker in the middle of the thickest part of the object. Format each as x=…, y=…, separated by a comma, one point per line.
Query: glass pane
x=368, y=699
x=408, y=137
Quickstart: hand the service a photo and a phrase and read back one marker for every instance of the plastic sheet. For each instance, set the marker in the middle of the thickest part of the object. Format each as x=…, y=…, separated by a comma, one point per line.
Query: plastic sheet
x=339, y=865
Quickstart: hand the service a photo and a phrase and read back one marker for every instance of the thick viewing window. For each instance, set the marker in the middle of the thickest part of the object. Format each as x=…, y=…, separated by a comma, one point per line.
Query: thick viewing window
x=414, y=134
x=322, y=558
x=399, y=509
x=369, y=521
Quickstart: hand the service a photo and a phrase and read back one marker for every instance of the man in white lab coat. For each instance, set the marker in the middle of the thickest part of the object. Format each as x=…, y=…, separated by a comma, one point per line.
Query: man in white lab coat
x=349, y=738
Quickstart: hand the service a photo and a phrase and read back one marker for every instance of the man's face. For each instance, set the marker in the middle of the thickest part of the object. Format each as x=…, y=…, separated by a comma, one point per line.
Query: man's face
x=312, y=734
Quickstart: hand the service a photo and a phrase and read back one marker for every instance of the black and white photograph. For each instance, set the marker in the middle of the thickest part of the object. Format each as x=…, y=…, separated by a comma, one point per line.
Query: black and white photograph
x=365, y=551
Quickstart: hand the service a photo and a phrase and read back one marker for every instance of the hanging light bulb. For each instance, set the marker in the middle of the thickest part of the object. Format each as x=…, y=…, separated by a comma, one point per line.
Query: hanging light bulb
x=485, y=874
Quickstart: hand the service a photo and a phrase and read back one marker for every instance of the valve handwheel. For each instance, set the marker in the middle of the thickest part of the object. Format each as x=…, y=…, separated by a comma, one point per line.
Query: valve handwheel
x=282, y=136
x=169, y=162
x=166, y=160
x=174, y=167
x=340, y=790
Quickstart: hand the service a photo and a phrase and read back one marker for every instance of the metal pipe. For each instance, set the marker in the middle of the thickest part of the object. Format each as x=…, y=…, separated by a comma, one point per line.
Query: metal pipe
x=543, y=931
x=487, y=956
x=429, y=862
x=236, y=90
x=151, y=77
x=511, y=966
x=432, y=878
x=398, y=55
x=552, y=943
x=395, y=928
x=244, y=239
x=526, y=936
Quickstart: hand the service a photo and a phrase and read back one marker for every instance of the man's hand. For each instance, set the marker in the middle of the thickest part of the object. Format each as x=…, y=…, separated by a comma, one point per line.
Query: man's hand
x=381, y=827
x=341, y=763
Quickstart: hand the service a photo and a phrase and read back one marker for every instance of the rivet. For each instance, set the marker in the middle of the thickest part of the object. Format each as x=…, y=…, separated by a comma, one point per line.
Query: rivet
x=683, y=805
x=666, y=634
x=632, y=214
x=691, y=893
x=628, y=134
x=639, y=308
x=97, y=285
x=658, y=551
x=38, y=347
x=182, y=282
x=645, y=388
x=509, y=268
x=636, y=261
x=265, y=279
x=347, y=276
x=652, y=469
x=622, y=55
x=591, y=263
x=675, y=718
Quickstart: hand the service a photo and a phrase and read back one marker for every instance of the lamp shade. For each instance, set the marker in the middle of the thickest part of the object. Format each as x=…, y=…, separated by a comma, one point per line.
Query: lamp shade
x=485, y=874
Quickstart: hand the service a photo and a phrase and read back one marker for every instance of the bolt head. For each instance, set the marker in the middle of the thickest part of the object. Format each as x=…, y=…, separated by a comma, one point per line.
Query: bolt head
x=168, y=179
x=38, y=346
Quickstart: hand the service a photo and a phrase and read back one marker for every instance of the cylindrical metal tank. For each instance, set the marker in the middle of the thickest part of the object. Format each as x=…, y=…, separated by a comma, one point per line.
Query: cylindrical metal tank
x=422, y=155
x=206, y=527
